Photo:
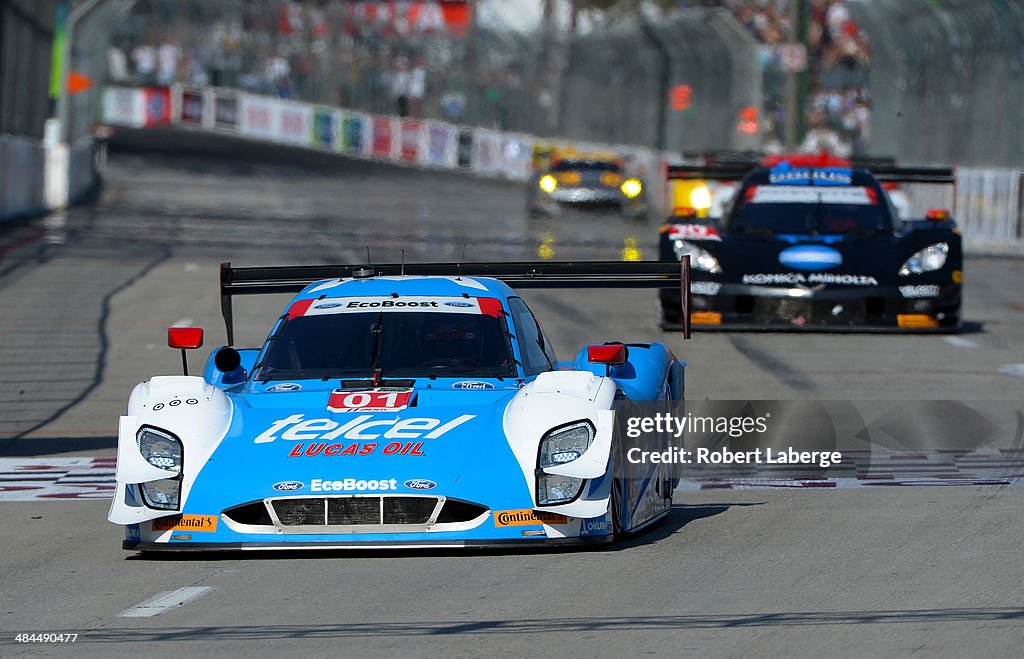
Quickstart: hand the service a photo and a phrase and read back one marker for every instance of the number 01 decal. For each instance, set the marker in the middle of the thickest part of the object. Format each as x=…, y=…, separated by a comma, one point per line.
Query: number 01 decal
x=369, y=400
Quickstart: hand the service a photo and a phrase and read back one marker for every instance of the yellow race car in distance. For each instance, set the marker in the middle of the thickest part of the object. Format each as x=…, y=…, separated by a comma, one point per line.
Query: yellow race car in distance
x=595, y=181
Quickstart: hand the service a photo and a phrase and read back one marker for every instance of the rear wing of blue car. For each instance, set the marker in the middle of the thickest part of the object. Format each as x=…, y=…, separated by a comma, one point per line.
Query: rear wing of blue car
x=518, y=274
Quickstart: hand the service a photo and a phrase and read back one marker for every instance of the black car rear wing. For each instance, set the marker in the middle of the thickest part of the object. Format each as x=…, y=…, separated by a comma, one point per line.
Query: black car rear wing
x=882, y=169
x=519, y=274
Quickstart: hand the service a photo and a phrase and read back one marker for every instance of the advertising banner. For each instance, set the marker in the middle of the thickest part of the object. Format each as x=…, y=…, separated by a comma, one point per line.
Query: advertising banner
x=124, y=107
x=257, y=117
x=192, y=107
x=326, y=124
x=411, y=132
x=464, y=149
x=517, y=156
x=442, y=146
x=353, y=130
x=294, y=123
x=225, y=112
x=157, y=106
x=487, y=154
x=383, y=139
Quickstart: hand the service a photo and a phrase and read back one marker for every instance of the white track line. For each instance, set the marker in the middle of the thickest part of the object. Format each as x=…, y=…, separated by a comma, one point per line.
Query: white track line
x=164, y=602
x=960, y=342
x=1015, y=370
x=183, y=322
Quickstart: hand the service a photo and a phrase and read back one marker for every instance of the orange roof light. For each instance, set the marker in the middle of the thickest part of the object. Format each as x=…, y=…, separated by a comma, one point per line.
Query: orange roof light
x=937, y=214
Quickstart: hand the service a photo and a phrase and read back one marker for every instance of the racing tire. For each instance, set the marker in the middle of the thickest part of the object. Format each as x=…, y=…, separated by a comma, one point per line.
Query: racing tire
x=617, y=498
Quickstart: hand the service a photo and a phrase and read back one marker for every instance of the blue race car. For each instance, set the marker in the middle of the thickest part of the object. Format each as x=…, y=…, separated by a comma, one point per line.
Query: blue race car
x=398, y=405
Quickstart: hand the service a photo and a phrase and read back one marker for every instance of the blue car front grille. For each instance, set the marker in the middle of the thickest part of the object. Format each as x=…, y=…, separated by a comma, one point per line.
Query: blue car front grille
x=369, y=513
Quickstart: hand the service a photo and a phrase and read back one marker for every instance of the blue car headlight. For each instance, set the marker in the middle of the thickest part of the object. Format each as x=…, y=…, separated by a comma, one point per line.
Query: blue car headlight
x=161, y=449
x=560, y=446
x=928, y=259
x=163, y=494
x=553, y=489
x=566, y=443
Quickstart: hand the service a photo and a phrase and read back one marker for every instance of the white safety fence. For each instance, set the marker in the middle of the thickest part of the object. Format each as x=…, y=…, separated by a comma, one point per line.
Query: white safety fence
x=987, y=203
x=990, y=209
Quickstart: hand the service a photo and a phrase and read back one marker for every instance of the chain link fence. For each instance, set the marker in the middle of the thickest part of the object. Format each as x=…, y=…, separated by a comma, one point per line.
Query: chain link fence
x=88, y=57
x=26, y=39
x=610, y=83
x=948, y=84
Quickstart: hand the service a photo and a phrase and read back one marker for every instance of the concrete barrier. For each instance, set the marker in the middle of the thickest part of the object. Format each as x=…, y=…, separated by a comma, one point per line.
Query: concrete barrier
x=21, y=177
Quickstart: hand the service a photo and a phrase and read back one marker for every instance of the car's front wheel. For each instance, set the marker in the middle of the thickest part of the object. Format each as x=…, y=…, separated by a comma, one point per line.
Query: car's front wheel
x=618, y=516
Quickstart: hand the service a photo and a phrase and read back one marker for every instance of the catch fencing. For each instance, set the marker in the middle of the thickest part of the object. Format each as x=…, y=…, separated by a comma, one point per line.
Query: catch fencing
x=947, y=80
x=674, y=82
x=26, y=38
x=679, y=84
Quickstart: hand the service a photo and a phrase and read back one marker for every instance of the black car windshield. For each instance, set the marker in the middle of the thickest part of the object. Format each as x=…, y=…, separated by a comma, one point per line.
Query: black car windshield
x=786, y=209
x=593, y=165
x=398, y=344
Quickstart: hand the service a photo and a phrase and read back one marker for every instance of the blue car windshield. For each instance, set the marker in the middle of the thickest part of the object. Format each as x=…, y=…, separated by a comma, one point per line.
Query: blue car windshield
x=808, y=210
x=395, y=344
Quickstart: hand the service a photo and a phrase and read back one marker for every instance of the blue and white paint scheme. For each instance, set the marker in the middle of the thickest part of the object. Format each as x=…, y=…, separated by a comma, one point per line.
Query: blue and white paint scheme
x=444, y=460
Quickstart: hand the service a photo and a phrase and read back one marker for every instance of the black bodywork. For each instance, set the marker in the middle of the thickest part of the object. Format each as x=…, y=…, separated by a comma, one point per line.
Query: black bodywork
x=864, y=291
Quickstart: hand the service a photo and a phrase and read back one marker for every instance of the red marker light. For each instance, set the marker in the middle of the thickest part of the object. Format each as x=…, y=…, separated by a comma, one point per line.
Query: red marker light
x=937, y=214
x=185, y=338
x=612, y=354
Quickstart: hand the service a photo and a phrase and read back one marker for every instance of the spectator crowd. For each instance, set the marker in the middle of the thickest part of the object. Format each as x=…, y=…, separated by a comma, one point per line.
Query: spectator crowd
x=300, y=50
x=838, y=60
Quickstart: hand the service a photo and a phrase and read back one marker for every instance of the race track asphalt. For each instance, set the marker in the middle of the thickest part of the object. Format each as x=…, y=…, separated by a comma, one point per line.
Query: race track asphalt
x=898, y=571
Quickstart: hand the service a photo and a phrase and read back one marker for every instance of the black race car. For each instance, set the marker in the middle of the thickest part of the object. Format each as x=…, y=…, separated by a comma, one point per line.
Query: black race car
x=805, y=247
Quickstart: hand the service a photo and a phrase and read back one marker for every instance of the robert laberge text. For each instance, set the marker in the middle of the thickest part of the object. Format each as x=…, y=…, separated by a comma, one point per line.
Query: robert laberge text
x=723, y=456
